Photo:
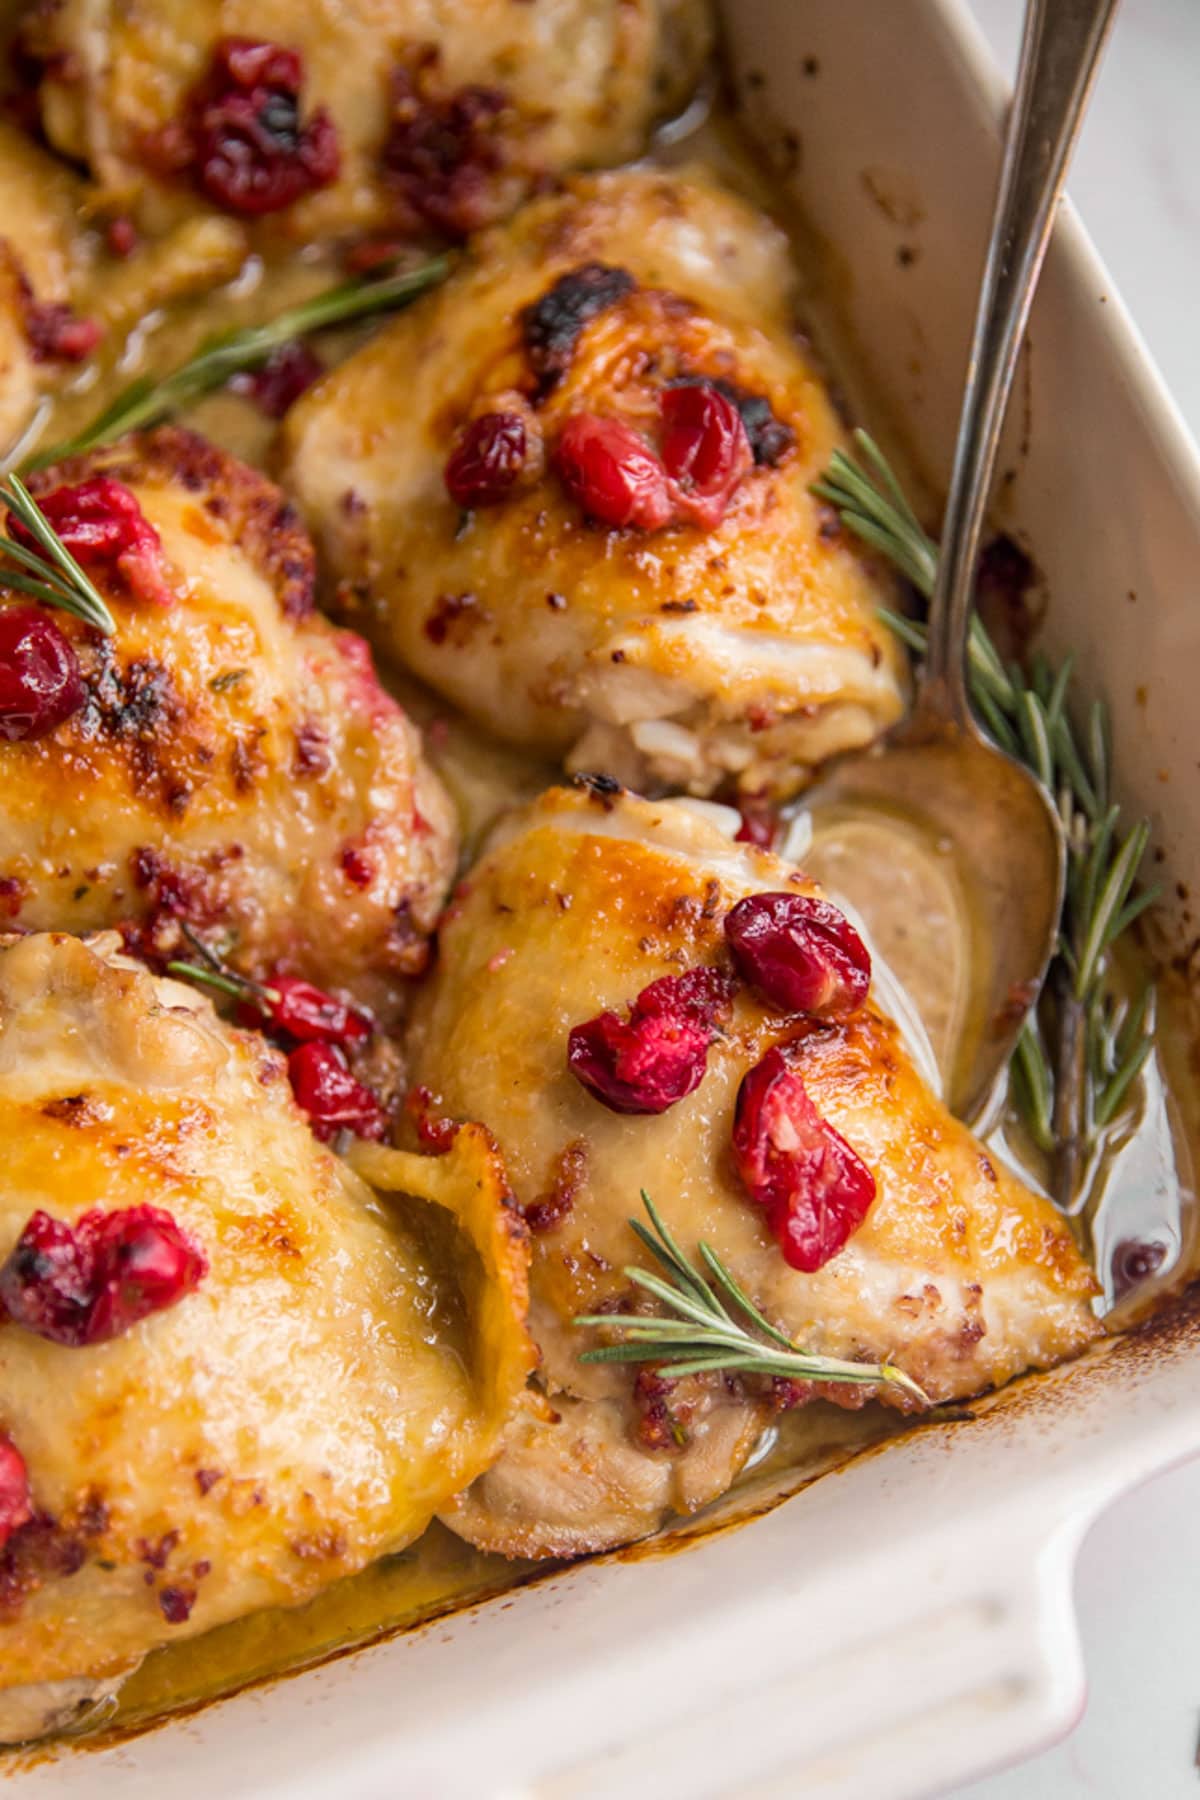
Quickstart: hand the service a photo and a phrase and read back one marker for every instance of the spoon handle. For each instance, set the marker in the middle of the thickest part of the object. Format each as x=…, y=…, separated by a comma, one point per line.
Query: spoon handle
x=1060, y=51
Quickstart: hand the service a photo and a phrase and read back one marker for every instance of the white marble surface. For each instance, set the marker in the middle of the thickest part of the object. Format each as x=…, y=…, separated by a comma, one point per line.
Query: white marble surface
x=1136, y=181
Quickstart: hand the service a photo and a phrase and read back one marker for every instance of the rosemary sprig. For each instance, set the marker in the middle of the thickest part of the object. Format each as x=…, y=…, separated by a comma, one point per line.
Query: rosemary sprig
x=705, y=1336
x=211, y=972
x=1079, y=1057
x=149, y=400
x=50, y=573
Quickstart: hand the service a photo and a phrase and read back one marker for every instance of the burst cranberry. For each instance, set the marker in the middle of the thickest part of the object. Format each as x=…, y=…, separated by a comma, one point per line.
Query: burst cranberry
x=445, y=149
x=801, y=954
x=646, y=1064
x=287, y=373
x=16, y=1502
x=57, y=333
x=813, y=1188
x=307, y=1013
x=327, y=1091
x=40, y=683
x=612, y=474
x=84, y=1284
x=246, y=143
x=101, y=524
x=705, y=451
x=487, y=459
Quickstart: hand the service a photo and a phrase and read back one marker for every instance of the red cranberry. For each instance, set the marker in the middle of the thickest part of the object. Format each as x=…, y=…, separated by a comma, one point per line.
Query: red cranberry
x=87, y=1283
x=434, y=1130
x=16, y=1502
x=101, y=523
x=249, y=150
x=705, y=451
x=612, y=474
x=307, y=1013
x=487, y=459
x=814, y=1189
x=648, y=1063
x=327, y=1091
x=40, y=683
x=287, y=373
x=56, y=332
x=802, y=954
x=445, y=147
x=759, y=826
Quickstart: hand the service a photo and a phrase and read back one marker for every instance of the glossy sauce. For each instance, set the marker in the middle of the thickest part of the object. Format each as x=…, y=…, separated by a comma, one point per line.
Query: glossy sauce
x=1141, y=1224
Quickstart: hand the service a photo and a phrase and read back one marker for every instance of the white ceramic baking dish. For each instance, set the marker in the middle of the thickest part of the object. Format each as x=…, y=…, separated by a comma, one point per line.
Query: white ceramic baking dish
x=905, y=1623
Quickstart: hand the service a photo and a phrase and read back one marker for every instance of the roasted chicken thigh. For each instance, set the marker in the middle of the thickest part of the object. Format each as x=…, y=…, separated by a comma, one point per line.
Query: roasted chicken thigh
x=229, y=1373
x=227, y=761
x=400, y=116
x=571, y=492
x=899, y=1237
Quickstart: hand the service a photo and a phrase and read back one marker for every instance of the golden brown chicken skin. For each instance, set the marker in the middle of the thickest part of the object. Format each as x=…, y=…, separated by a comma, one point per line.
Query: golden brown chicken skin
x=723, y=639
x=956, y=1272
x=234, y=765
x=394, y=116
x=325, y=1377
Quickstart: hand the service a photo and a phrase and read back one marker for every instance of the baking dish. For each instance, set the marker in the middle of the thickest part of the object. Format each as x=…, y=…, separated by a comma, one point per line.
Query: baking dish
x=904, y=1623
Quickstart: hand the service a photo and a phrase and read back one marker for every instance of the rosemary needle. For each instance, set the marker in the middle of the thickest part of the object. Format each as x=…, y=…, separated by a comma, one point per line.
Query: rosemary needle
x=705, y=1335
x=50, y=573
x=148, y=400
x=1065, y=1097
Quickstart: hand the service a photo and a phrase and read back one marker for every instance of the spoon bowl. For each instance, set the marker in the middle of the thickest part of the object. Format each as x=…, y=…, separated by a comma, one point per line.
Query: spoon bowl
x=983, y=815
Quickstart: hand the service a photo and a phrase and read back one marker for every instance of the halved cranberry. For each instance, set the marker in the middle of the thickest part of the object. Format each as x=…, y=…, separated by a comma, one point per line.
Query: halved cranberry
x=705, y=451
x=101, y=523
x=16, y=1502
x=813, y=1187
x=646, y=1064
x=248, y=146
x=331, y=1096
x=487, y=459
x=84, y=1284
x=287, y=373
x=306, y=1013
x=801, y=954
x=612, y=473
x=40, y=682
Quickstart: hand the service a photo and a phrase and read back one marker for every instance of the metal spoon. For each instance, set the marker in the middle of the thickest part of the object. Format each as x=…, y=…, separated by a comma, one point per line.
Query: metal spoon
x=996, y=829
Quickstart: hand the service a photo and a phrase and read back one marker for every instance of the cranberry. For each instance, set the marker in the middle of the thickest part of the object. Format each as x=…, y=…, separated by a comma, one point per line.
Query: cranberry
x=759, y=826
x=434, y=1130
x=16, y=1502
x=56, y=333
x=307, y=1013
x=84, y=1284
x=814, y=1189
x=705, y=451
x=287, y=373
x=40, y=683
x=249, y=150
x=445, y=147
x=101, y=523
x=612, y=473
x=327, y=1091
x=487, y=459
x=802, y=954
x=648, y=1063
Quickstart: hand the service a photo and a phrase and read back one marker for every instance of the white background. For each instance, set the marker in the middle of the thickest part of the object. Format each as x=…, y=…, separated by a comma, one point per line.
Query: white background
x=1136, y=181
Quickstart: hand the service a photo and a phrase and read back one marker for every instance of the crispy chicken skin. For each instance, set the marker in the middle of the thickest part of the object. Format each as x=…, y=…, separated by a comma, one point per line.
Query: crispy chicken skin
x=959, y=1274
x=237, y=764
x=492, y=94
x=303, y=1410
x=682, y=656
